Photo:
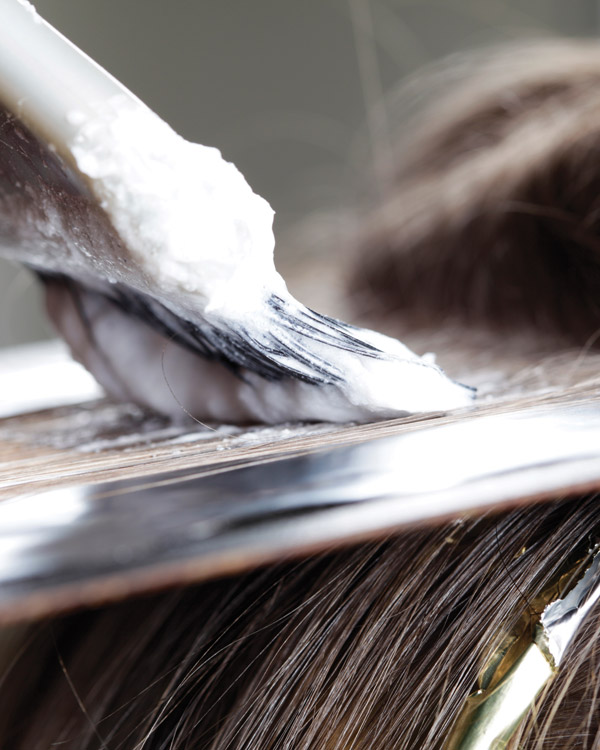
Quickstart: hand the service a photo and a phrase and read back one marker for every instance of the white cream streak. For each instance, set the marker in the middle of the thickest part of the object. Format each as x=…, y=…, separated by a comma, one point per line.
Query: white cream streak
x=189, y=219
x=200, y=242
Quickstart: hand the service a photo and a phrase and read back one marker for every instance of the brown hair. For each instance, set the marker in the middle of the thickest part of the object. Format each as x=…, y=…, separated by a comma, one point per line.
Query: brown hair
x=373, y=647
x=492, y=212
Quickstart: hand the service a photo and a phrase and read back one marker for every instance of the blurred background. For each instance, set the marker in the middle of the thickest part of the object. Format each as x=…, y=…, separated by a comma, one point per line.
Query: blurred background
x=286, y=90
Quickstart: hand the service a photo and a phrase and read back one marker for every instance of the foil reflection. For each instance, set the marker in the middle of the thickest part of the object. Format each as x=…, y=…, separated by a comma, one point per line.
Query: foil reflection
x=171, y=528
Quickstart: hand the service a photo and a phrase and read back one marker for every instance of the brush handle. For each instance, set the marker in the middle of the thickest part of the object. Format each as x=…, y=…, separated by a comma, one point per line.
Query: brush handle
x=44, y=77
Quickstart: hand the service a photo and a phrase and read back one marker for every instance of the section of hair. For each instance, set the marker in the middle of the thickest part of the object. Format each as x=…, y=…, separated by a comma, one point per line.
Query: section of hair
x=492, y=211
x=373, y=647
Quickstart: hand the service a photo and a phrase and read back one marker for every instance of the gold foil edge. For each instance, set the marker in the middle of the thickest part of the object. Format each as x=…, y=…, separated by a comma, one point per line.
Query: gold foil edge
x=527, y=659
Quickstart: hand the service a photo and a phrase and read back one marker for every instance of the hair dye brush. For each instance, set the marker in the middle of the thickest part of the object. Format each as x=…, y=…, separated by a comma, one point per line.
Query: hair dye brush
x=157, y=258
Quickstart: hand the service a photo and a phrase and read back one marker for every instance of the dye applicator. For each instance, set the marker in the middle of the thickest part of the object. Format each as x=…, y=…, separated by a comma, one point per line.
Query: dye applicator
x=157, y=258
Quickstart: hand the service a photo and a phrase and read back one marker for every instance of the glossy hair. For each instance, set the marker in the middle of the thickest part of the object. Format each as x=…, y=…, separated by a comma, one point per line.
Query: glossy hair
x=372, y=647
